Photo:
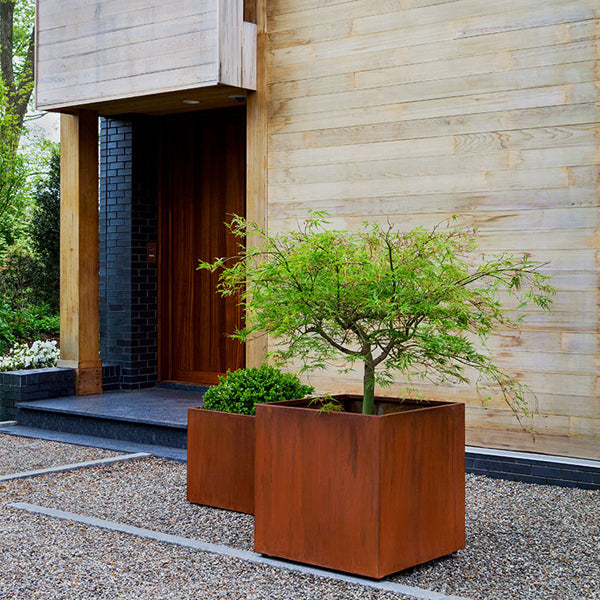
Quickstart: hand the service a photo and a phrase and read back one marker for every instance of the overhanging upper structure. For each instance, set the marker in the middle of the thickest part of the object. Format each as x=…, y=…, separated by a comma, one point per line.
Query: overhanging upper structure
x=117, y=56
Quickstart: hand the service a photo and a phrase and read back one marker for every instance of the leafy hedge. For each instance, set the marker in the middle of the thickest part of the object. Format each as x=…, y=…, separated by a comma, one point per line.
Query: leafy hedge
x=239, y=391
x=29, y=270
x=21, y=277
x=44, y=232
x=27, y=323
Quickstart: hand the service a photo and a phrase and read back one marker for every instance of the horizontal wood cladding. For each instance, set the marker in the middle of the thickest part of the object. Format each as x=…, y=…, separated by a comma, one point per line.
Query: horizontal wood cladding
x=413, y=111
x=109, y=50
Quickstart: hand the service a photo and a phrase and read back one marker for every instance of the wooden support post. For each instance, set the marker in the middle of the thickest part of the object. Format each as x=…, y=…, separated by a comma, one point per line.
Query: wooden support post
x=79, y=238
x=256, y=155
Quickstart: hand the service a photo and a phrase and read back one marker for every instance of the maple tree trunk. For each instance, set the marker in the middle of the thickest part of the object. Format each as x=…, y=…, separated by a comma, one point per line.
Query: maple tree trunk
x=368, y=407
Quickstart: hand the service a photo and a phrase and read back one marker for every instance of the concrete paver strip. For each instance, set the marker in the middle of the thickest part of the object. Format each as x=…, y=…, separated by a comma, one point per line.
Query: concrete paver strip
x=19, y=454
x=71, y=467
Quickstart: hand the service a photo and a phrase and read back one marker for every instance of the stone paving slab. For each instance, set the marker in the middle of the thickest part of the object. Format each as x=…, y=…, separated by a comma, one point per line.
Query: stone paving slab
x=154, y=406
x=72, y=466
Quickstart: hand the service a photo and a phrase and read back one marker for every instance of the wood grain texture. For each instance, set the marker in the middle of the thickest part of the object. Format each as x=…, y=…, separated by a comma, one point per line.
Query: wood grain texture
x=404, y=112
x=79, y=262
x=542, y=444
x=369, y=495
x=251, y=11
x=168, y=103
x=220, y=466
x=107, y=51
x=256, y=153
x=248, y=78
x=230, y=40
x=202, y=185
x=411, y=112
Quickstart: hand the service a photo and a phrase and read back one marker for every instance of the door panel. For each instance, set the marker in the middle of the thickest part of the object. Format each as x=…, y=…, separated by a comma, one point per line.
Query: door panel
x=202, y=183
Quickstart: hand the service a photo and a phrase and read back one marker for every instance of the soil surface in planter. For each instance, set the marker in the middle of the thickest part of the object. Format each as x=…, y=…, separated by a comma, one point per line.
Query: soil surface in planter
x=353, y=404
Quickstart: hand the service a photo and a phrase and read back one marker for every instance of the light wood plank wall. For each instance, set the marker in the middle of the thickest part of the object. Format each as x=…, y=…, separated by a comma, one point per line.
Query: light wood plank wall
x=113, y=49
x=414, y=110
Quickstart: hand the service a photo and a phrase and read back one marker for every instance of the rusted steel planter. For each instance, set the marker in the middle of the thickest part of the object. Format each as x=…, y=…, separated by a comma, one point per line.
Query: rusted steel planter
x=369, y=495
x=220, y=467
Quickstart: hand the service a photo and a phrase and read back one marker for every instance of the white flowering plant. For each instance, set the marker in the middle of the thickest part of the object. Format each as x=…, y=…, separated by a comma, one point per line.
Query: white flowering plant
x=39, y=355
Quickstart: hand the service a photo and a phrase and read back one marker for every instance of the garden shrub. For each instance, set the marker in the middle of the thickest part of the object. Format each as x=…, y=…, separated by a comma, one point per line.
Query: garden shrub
x=27, y=323
x=44, y=232
x=239, y=391
x=20, y=277
x=37, y=356
x=29, y=274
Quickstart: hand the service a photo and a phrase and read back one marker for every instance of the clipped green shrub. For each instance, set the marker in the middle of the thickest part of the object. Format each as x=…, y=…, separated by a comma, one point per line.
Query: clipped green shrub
x=240, y=391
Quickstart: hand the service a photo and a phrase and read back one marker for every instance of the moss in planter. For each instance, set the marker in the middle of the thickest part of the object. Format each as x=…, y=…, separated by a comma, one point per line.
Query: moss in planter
x=240, y=391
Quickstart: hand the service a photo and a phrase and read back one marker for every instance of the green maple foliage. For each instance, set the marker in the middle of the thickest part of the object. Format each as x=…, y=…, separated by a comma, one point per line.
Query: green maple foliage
x=409, y=303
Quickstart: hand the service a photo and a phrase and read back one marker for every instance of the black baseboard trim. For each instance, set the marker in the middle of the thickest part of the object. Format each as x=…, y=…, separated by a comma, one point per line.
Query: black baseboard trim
x=174, y=385
x=533, y=468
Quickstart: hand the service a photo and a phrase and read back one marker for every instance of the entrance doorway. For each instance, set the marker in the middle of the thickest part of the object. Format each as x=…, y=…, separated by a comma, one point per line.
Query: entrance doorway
x=202, y=182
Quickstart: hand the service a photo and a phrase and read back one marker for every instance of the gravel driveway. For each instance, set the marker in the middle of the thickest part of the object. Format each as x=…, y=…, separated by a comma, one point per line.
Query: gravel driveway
x=523, y=541
x=27, y=454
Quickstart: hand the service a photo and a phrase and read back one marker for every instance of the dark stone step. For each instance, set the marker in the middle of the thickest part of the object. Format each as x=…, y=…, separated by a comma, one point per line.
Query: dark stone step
x=153, y=416
x=155, y=434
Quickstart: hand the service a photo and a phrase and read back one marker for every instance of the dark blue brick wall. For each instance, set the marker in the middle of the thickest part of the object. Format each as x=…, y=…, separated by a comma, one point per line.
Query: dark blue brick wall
x=116, y=143
x=533, y=471
x=128, y=221
x=33, y=384
x=111, y=377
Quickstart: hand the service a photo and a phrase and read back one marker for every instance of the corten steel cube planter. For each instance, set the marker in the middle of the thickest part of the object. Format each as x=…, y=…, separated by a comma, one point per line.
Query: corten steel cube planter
x=220, y=467
x=369, y=495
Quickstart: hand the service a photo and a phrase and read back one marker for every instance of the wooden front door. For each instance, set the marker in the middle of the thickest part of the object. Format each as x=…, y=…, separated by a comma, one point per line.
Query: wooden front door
x=201, y=184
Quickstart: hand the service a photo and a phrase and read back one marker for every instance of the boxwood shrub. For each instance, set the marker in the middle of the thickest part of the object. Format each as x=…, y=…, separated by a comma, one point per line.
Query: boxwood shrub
x=240, y=391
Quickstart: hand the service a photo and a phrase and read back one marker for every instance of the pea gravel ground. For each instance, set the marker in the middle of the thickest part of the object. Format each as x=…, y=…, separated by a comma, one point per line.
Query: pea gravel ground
x=523, y=541
x=28, y=454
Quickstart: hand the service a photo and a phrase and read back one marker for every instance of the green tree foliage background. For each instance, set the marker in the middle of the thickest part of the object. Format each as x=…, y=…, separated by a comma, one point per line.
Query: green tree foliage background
x=44, y=233
x=17, y=47
x=29, y=191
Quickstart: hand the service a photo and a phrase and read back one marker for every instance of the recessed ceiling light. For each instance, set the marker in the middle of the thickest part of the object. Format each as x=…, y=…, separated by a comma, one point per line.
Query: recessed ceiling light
x=191, y=101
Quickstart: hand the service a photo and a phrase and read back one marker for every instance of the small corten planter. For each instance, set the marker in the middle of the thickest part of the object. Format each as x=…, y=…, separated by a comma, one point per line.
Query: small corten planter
x=220, y=468
x=369, y=495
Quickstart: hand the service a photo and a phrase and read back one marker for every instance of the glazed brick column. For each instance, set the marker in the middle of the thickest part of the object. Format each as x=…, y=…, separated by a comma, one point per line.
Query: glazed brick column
x=116, y=143
x=128, y=221
x=144, y=276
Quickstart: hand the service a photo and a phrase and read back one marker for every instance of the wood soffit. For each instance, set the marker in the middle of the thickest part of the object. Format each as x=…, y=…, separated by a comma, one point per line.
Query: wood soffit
x=208, y=98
